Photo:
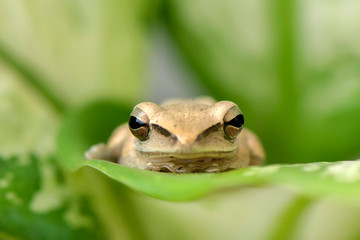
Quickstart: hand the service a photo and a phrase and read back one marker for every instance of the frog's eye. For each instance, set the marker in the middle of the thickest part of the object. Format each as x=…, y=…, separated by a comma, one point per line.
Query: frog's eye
x=233, y=123
x=138, y=128
x=234, y=126
x=139, y=125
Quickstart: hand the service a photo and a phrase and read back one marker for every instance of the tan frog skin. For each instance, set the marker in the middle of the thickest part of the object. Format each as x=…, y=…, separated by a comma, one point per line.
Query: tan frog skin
x=183, y=136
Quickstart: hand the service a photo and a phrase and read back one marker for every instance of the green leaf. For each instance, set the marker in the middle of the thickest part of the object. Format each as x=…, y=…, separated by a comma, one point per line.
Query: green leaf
x=69, y=54
x=86, y=127
x=78, y=50
x=27, y=122
x=92, y=124
x=35, y=203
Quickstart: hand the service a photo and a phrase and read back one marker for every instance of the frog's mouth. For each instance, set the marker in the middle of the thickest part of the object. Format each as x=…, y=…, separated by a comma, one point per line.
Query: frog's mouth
x=188, y=161
x=185, y=156
x=189, y=165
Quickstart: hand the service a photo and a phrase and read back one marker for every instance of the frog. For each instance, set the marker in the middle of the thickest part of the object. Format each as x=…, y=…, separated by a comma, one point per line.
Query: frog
x=183, y=136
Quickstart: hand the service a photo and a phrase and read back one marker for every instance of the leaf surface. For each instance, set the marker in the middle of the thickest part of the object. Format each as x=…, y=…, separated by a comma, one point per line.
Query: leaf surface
x=35, y=203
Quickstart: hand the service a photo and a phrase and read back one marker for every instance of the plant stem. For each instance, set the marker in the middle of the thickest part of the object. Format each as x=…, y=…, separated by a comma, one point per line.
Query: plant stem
x=285, y=23
x=288, y=222
x=31, y=77
x=284, y=15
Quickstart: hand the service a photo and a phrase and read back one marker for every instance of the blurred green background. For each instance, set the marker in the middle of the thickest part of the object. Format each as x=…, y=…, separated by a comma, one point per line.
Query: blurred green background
x=293, y=67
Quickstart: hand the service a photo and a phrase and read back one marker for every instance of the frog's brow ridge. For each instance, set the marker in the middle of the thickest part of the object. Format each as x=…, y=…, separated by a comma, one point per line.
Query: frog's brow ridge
x=208, y=131
x=161, y=130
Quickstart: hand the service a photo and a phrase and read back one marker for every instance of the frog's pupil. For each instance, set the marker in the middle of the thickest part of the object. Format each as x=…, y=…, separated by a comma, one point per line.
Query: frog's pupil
x=135, y=123
x=237, y=121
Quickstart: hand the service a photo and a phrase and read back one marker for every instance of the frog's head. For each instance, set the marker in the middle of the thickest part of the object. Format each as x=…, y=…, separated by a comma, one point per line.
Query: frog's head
x=183, y=130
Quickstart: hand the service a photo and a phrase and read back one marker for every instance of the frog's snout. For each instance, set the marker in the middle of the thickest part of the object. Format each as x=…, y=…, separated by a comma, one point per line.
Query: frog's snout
x=186, y=140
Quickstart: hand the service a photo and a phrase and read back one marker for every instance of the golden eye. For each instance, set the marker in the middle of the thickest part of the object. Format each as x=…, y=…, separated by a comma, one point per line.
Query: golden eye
x=237, y=121
x=233, y=122
x=234, y=126
x=139, y=126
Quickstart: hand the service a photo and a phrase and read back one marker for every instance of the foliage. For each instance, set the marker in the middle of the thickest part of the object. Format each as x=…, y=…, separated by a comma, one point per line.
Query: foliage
x=35, y=198
x=296, y=82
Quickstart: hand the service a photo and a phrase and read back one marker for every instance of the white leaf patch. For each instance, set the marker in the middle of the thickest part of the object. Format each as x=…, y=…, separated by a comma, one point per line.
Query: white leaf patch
x=346, y=171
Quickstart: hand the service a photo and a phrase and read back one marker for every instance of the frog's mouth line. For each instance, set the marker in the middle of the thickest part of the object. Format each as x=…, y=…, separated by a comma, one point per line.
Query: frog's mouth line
x=209, y=165
x=186, y=157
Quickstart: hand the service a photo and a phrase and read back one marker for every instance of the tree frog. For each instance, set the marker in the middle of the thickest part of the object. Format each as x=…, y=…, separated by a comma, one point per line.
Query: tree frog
x=183, y=136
